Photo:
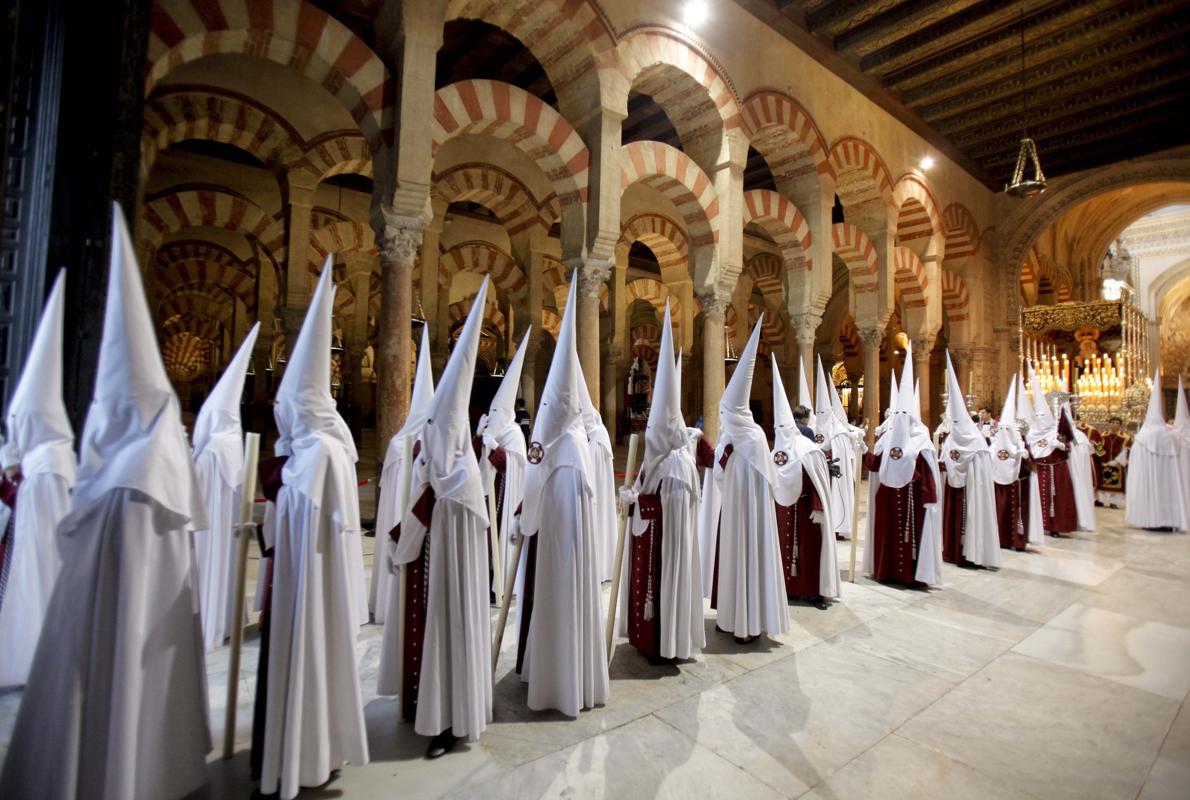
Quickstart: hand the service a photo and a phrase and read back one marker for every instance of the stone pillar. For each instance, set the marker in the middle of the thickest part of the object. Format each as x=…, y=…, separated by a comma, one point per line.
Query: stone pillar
x=714, y=310
x=871, y=339
x=299, y=205
x=805, y=328
x=529, y=387
x=591, y=276
x=964, y=366
x=398, y=239
x=610, y=403
x=922, y=347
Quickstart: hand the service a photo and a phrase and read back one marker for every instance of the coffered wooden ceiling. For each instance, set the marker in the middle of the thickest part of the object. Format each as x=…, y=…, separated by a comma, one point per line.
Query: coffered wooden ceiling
x=1107, y=79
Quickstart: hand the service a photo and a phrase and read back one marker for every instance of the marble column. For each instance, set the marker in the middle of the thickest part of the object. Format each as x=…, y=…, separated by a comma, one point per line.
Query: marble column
x=714, y=311
x=399, y=239
x=871, y=339
x=591, y=276
x=299, y=206
x=610, y=404
x=922, y=347
x=805, y=328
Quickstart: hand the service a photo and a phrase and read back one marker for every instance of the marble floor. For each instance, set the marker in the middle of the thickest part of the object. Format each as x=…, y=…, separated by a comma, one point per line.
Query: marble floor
x=1062, y=675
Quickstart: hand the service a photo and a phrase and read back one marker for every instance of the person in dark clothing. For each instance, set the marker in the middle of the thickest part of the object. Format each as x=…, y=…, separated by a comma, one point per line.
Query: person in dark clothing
x=801, y=417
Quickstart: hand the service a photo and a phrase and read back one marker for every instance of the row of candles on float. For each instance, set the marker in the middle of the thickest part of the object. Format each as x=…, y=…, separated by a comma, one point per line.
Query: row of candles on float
x=1102, y=378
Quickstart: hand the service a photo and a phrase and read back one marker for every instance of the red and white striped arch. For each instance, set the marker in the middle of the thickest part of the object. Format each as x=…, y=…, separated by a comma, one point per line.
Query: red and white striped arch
x=483, y=258
x=918, y=216
x=655, y=293
x=772, y=330
x=955, y=300
x=1030, y=279
x=645, y=53
x=962, y=233
x=292, y=33
x=510, y=114
x=211, y=208
x=859, y=254
x=340, y=153
x=862, y=180
x=766, y=272
x=186, y=355
x=786, y=135
x=663, y=236
x=781, y=219
x=909, y=274
x=497, y=190
x=491, y=313
x=551, y=322
x=191, y=274
x=340, y=237
x=559, y=287
x=671, y=172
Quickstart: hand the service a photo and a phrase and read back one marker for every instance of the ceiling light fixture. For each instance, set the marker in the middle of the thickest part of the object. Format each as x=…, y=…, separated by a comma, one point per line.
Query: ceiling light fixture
x=695, y=13
x=1026, y=157
x=927, y=162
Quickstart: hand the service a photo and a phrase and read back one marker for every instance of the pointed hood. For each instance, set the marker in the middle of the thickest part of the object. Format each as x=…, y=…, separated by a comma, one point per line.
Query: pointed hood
x=1024, y=407
x=735, y=413
x=965, y=438
x=1006, y=447
x=804, y=396
x=790, y=441
x=824, y=415
x=500, y=421
x=665, y=432
x=40, y=435
x=894, y=404
x=907, y=392
x=1043, y=427
x=452, y=470
x=597, y=433
x=898, y=449
x=423, y=389
x=133, y=436
x=1181, y=421
x=1154, y=435
x=304, y=407
x=217, y=429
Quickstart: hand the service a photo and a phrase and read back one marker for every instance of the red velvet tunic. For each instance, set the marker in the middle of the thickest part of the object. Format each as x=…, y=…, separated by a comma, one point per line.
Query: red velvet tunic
x=417, y=588
x=801, y=542
x=954, y=521
x=8, y=496
x=1058, y=511
x=899, y=519
x=644, y=579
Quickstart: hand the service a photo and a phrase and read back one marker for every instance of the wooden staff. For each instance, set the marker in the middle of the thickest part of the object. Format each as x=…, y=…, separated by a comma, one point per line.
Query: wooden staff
x=243, y=533
x=859, y=469
x=619, y=563
x=382, y=538
x=509, y=585
x=494, y=534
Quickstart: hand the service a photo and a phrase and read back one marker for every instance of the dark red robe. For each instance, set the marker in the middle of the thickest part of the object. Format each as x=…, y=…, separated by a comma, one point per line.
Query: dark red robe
x=417, y=588
x=1109, y=477
x=954, y=523
x=644, y=579
x=1058, y=511
x=1012, y=510
x=900, y=517
x=8, y=496
x=801, y=543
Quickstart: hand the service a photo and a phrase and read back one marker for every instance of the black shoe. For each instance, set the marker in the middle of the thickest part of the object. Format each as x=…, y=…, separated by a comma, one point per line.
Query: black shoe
x=441, y=744
x=1098, y=504
x=1113, y=505
x=746, y=639
x=659, y=661
x=820, y=603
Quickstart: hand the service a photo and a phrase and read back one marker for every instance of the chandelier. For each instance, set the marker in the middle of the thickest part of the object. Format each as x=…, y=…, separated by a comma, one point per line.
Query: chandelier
x=1027, y=178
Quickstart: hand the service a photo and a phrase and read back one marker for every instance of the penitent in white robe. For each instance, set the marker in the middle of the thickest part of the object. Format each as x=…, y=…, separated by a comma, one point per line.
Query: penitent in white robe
x=565, y=659
x=1081, y=475
x=384, y=600
x=454, y=691
x=314, y=720
x=751, y=583
x=1156, y=486
x=214, y=556
x=122, y=664
x=42, y=501
x=603, y=502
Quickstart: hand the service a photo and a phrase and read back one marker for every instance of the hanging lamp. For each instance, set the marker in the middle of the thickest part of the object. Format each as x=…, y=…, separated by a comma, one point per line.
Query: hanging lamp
x=1027, y=178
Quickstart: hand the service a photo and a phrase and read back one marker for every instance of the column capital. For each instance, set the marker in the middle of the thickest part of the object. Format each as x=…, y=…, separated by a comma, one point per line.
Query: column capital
x=715, y=300
x=805, y=327
x=923, y=345
x=592, y=274
x=870, y=337
x=397, y=236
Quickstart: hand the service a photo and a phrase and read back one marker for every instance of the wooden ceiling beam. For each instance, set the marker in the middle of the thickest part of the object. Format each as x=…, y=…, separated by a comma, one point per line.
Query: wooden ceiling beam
x=898, y=22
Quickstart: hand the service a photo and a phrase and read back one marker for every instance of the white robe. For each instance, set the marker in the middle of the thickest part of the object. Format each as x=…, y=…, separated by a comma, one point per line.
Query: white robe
x=1081, y=475
x=43, y=499
x=213, y=551
x=1184, y=466
x=565, y=660
x=116, y=704
x=455, y=686
x=751, y=591
x=847, y=450
x=513, y=442
x=1156, y=487
x=381, y=598
x=981, y=534
x=314, y=720
x=679, y=597
x=603, y=509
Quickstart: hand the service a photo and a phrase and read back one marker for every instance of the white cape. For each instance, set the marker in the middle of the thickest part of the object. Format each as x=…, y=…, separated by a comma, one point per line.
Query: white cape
x=981, y=537
x=1081, y=475
x=122, y=666
x=43, y=500
x=1155, y=489
x=603, y=505
x=314, y=720
x=383, y=598
x=846, y=449
x=213, y=552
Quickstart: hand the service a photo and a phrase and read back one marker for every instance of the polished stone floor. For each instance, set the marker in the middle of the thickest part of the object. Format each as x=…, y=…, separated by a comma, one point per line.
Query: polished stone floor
x=1062, y=675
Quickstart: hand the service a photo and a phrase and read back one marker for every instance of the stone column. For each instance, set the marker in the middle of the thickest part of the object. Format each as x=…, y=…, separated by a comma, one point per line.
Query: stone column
x=805, y=328
x=591, y=276
x=922, y=347
x=871, y=339
x=610, y=403
x=299, y=205
x=964, y=366
x=714, y=311
x=398, y=238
